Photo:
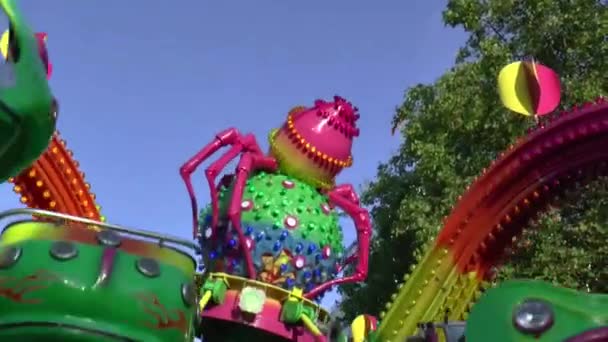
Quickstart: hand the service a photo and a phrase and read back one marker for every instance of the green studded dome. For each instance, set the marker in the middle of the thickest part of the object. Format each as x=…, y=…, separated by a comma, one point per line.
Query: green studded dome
x=276, y=199
x=283, y=218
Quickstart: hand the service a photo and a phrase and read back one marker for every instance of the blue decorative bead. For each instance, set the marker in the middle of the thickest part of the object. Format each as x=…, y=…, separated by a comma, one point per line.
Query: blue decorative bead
x=208, y=219
x=317, y=273
x=232, y=243
x=289, y=282
x=259, y=236
x=283, y=267
x=299, y=247
x=284, y=235
x=311, y=248
x=212, y=255
x=248, y=230
x=318, y=257
x=276, y=246
x=307, y=274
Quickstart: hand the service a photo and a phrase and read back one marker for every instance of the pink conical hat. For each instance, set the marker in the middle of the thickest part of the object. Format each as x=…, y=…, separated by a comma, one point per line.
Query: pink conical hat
x=324, y=134
x=327, y=130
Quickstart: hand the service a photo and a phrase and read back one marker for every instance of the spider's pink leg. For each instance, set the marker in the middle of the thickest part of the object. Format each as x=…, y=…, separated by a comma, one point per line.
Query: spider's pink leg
x=347, y=191
x=344, y=197
x=228, y=137
x=224, y=183
x=350, y=259
x=211, y=174
x=249, y=162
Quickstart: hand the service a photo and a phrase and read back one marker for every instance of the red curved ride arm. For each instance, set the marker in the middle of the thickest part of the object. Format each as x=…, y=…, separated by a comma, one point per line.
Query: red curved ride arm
x=520, y=184
x=55, y=183
x=345, y=197
x=487, y=219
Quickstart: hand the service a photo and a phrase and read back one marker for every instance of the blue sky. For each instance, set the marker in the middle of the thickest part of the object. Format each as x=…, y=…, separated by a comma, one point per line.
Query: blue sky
x=142, y=88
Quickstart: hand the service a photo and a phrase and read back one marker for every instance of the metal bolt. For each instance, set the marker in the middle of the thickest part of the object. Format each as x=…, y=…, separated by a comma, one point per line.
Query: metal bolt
x=63, y=250
x=109, y=238
x=148, y=267
x=188, y=294
x=533, y=316
x=9, y=256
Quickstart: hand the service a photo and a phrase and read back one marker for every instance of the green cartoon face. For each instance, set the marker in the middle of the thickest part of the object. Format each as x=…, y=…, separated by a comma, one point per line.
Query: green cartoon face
x=537, y=311
x=27, y=107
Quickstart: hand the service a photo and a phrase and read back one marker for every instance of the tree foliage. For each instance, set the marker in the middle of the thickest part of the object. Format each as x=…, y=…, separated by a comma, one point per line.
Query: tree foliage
x=454, y=127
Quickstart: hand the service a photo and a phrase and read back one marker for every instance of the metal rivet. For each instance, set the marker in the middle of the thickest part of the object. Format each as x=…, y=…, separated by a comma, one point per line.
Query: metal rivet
x=188, y=294
x=533, y=316
x=9, y=256
x=63, y=250
x=109, y=238
x=148, y=267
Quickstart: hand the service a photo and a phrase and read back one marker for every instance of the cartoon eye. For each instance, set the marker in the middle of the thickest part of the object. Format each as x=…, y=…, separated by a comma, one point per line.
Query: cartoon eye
x=14, y=50
x=54, y=110
x=533, y=316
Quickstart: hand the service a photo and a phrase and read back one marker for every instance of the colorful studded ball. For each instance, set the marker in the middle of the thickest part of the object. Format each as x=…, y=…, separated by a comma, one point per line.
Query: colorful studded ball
x=291, y=231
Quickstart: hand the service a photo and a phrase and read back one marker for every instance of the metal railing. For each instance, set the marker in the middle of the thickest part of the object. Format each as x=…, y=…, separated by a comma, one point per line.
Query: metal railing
x=162, y=239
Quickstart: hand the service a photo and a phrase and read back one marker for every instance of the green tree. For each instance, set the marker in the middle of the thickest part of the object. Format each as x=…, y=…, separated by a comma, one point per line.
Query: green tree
x=454, y=127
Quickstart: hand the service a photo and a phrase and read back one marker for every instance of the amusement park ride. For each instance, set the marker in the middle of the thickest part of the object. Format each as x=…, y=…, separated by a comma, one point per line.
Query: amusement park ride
x=270, y=242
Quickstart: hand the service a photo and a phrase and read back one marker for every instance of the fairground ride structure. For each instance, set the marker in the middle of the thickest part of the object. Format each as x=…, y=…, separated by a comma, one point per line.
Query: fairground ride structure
x=559, y=155
x=55, y=183
x=489, y=217
x=444, y=285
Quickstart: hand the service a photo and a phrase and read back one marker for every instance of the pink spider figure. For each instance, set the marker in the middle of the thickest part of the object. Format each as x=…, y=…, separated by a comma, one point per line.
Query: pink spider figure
x=313, y=146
